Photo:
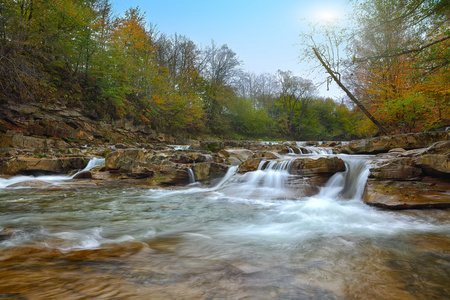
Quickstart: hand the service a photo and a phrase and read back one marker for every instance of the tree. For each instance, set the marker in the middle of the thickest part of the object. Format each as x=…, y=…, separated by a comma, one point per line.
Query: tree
x=295, y=95
x=399, y=47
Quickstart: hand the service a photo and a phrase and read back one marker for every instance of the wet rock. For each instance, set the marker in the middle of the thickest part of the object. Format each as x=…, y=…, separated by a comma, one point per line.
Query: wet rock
x=83, y=175
x=313, y=165
x=249, y=165
x=394, y=194
x=201, y=171
x=35, y=184
x=36, y=166
x=399, y=168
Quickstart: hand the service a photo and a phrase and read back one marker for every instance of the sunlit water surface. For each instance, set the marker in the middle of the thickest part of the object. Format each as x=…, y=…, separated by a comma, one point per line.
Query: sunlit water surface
x=249, y=237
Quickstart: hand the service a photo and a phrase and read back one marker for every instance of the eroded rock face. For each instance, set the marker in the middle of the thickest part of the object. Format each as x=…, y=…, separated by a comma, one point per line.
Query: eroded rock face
x=35, y=166
x=412, y=179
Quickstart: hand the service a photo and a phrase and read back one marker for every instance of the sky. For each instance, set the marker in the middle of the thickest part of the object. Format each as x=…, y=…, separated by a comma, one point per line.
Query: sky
x=263, y=33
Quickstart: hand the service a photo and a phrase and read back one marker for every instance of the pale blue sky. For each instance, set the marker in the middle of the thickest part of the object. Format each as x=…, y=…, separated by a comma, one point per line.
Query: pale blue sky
x=264, y=34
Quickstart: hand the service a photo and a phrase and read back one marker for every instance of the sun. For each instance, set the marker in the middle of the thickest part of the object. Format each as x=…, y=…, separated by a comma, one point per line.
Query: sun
x=327, y=16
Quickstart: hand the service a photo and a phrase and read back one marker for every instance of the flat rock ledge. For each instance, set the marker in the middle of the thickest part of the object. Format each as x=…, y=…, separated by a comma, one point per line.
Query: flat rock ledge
x=411, y=179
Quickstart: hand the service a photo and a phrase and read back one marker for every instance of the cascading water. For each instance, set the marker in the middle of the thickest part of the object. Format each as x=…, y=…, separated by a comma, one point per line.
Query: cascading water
x=93, y=162
x=351, y=183
x=191, y=175
x=249, y=236
x=267, y=182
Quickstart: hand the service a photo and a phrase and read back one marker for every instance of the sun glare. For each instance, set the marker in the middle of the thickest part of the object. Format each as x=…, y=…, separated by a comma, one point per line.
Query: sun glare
x=327, y=16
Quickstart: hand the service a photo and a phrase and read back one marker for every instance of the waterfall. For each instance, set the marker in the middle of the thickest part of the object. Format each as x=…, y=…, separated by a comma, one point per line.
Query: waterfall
x=272, y=180
x=191, y=175
x=269, y=181
x=349, y=184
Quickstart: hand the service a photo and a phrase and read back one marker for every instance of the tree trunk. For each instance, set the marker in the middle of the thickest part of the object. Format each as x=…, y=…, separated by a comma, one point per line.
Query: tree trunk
x=349, y=94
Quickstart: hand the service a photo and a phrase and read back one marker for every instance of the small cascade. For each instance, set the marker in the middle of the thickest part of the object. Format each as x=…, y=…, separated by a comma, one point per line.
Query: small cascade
x=349, y=184
x=191, y=175
x=291, y=151
x=268, y=181
x=93, y=162
x=231, y=171
x=315, y=150
x=179, y=147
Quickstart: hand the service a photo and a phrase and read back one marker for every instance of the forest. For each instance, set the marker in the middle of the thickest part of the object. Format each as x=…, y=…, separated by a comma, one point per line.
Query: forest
x=394, y=58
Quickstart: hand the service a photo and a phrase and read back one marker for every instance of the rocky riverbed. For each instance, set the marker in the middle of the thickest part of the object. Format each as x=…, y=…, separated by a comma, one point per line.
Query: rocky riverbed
x=406, y=171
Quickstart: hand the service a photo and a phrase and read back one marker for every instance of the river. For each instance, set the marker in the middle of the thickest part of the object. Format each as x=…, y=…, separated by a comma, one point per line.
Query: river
x=250, y=236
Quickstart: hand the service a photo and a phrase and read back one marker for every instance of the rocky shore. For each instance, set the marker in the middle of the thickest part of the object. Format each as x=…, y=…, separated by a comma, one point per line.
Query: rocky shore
x=406, y=171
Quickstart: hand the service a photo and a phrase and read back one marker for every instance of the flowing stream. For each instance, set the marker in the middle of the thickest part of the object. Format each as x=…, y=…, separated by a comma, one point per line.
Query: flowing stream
x=251, y=236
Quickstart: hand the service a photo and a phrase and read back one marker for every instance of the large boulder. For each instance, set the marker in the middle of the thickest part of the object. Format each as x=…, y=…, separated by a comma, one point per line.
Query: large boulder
x=250, y=165
x=234, y=156
x=317, y=165
x=207, y=171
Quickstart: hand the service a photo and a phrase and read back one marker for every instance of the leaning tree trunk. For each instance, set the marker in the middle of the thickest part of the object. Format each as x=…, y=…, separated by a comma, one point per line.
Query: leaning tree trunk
x=349, y=94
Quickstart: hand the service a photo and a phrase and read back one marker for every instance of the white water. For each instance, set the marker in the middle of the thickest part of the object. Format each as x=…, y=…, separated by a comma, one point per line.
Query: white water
x=93, y=162
x=251, y=235
x=191, y=175
x=179, y=147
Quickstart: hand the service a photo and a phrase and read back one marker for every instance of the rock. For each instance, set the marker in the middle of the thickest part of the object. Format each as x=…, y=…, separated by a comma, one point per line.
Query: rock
x=205, y=172
x=35, y=166
x=35, y=184
x=266, y=155
x=201, y=171
x=314, y=165
x=397, y=150
x=398, y=168
x=394, y=194
x=193, y=157
x=83, y=175
x=249, y=165
x=437, y=165
x=235, y=156
x=386, y=143
x=21, y=141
